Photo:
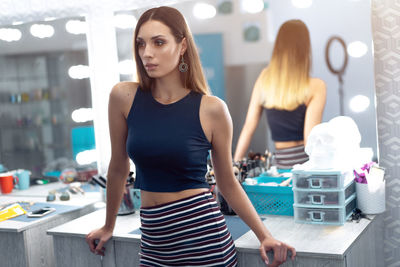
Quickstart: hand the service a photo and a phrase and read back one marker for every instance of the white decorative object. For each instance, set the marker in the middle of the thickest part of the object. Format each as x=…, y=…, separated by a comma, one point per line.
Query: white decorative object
x=371, y=197
x=334, y=144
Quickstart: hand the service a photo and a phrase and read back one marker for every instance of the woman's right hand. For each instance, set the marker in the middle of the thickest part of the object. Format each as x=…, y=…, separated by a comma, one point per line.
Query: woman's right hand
x=96, y=240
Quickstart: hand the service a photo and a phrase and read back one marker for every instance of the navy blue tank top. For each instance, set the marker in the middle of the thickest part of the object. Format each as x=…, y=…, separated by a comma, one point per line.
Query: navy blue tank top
x=286, y=125
x=167, y=143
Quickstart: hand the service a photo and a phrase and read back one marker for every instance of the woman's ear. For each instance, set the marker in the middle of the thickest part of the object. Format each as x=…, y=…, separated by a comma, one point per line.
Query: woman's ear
x=184, y=46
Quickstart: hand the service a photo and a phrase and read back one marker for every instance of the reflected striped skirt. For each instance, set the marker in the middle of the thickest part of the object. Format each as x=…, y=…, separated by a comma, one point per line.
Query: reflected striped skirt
x=186, y=232
x=286, y=158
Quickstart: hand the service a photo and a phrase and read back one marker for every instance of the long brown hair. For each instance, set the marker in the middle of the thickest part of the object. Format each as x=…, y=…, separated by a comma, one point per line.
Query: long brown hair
x=194, y=78
x=284, y=84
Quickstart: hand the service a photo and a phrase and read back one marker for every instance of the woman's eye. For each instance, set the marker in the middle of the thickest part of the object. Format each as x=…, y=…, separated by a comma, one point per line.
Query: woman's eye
x=140, y=44
x=159, y=42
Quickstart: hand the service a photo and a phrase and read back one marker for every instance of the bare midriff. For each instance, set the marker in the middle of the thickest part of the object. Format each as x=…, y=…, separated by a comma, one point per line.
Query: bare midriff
x=287, y=144
x=150, y=199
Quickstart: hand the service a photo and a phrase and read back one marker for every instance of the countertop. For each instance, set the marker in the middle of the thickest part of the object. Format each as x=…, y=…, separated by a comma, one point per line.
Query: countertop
x=36, y=195
x=308, y=239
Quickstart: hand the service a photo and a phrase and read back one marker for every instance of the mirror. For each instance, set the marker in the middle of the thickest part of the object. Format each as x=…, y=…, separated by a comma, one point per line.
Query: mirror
x=246, y=45
x=43, y=80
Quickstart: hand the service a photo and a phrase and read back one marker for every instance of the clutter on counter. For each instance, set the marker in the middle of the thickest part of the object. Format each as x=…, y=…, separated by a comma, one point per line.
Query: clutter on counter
x=131, y=200
x=11, y=211
x=370, y=185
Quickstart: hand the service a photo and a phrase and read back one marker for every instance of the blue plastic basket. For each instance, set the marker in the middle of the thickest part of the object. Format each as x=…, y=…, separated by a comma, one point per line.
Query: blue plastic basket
x=276, y=200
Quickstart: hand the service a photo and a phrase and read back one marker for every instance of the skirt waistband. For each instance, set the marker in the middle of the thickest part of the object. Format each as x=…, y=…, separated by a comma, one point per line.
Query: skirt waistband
x=178, y=202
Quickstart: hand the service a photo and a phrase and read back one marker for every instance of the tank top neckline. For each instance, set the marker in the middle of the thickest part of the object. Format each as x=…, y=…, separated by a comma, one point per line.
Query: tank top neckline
x=170, y=104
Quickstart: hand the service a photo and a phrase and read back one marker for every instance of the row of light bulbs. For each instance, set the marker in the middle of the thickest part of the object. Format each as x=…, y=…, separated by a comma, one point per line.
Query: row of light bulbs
x=42, y=30
x=206, y=11
x=200, y=10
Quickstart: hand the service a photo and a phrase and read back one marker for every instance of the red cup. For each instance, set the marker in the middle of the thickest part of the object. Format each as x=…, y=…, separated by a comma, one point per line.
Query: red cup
x=7, y=182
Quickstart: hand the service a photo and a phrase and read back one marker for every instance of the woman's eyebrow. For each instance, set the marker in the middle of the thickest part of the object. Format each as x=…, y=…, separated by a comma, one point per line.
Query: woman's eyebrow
x=154, y=37
x=157, y=36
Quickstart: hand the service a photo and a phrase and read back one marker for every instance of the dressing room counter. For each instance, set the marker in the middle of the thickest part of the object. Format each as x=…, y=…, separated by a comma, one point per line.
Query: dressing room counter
x=23, y=240
x=353, y=244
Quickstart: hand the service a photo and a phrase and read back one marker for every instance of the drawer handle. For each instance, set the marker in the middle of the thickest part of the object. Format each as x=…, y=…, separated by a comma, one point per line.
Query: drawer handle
x=316, y=199
x=316, y=216
x=315, y=182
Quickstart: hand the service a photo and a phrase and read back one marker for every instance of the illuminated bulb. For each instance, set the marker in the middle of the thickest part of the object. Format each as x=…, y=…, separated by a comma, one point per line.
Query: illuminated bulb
x=204, y=11
x=42, y=30
x=124, y=21
x=359, y=103
x=82, y=115
x=252, y=6
x=86, y=157
x=302, y=3
x=357, y=49
x=79, y=72
x=10, y=35
x=76, y=27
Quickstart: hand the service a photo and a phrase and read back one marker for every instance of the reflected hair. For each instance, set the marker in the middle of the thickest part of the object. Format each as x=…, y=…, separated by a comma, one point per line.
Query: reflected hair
x=284, y=84
x=194, y=78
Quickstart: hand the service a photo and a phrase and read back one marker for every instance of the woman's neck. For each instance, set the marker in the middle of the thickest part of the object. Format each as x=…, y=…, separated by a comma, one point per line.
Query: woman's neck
x=169, y=89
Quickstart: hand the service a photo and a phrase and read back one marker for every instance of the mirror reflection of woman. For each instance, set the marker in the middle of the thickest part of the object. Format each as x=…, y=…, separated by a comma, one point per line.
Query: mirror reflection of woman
x=293, y=101
x=167, y=123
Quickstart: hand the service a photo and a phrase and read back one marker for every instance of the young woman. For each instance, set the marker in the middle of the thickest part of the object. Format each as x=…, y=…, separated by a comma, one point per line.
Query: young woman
x=293, y=101
x=167, y=124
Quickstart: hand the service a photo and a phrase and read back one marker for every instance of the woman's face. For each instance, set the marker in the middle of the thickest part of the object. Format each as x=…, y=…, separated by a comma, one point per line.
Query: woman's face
x=158, y=49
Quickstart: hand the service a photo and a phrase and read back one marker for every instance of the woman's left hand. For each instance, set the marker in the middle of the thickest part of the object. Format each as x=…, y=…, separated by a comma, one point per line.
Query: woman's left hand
x=279, y=248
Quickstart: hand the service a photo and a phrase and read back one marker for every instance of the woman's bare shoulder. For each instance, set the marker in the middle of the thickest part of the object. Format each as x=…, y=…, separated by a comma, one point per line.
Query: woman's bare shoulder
x=122, y=95
x=124, y=89
x=213, y=105
x=317, y=84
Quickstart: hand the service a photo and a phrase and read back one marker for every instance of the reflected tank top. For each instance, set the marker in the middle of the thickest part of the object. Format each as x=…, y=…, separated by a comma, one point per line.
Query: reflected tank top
x=286, y=125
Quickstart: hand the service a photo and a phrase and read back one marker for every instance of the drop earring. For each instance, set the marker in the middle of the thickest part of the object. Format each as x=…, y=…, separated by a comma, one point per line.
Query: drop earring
x=183, y=67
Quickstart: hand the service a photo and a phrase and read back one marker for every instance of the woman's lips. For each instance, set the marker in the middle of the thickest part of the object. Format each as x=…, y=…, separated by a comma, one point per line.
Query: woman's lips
x=150, y=66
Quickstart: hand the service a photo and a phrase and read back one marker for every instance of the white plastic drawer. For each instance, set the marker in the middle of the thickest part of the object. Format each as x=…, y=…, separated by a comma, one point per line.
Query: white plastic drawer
x=325, y=197
x=320, y=180
x=336, y=215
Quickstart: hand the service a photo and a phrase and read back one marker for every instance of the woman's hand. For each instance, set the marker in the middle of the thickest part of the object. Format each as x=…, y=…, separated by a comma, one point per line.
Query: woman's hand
x=96, y=240
x=279, y=248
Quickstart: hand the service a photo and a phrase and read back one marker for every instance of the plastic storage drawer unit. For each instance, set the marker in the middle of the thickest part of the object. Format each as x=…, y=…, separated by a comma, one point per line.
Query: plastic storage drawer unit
x=332, y=215
x=326, y=197
x=321, y=179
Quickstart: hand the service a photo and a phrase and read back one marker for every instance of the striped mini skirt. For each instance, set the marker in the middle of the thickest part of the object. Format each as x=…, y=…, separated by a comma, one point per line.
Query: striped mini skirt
x=286, y=158
x=186, y=232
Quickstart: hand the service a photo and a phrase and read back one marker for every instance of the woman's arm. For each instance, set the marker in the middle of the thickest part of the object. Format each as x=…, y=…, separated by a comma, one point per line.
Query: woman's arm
x=253, y=116
x=118, y=169
x=315, y=106
x=221, y=129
